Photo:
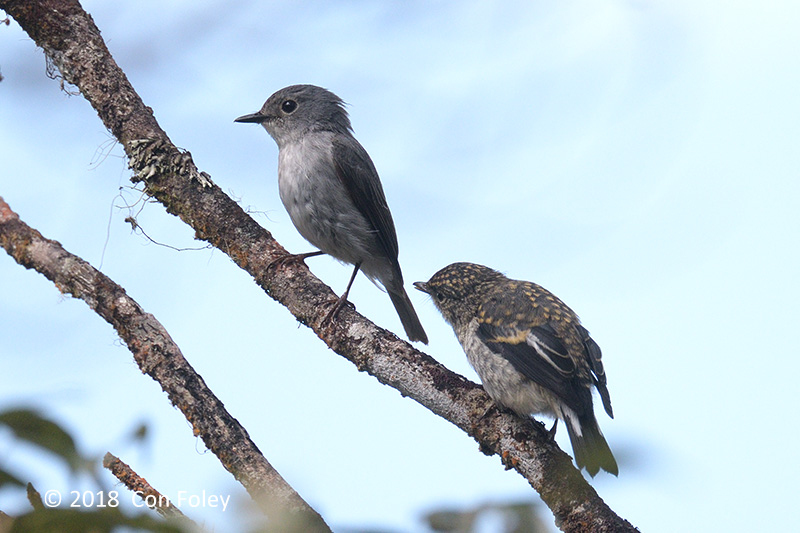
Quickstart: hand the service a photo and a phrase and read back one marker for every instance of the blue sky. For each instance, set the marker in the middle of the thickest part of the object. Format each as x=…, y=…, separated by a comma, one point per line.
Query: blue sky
x=639, y=159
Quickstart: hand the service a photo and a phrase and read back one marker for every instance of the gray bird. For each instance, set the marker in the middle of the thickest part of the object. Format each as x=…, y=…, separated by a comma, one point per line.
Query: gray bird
x=530, y=351
x=329, y=186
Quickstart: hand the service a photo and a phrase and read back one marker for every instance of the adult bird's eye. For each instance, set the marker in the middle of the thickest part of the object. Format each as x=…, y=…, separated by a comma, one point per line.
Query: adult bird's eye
x=439, y=296
x=288, y=106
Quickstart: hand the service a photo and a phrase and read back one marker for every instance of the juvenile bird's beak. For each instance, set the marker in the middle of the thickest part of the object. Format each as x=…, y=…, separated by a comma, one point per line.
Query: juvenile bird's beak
x=421, y=286
x=253, y=117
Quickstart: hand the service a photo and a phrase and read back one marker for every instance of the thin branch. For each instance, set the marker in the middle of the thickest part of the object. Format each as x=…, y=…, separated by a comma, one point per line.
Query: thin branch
x=6, y=522
x=34, y=497
x=139, y=486
x=68, y=35
x=160, y=358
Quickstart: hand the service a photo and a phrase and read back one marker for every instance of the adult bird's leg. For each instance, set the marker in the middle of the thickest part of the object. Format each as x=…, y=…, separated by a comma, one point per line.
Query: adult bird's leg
x=343, y=298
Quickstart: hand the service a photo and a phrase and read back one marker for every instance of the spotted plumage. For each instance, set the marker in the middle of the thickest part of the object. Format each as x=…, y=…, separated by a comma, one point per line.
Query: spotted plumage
x=530, y=351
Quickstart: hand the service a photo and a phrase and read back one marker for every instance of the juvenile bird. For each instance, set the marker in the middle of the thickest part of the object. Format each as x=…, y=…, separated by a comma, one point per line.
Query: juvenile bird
x=530, y=351
x=328, y=184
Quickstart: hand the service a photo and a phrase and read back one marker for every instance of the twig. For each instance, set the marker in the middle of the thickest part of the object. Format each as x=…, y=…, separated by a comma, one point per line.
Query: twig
x=139, y=486
x=6, y=522
x=34, y=497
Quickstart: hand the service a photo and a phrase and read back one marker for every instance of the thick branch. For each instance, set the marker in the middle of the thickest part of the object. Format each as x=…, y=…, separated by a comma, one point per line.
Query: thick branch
x=159, y=357
x=70, y=38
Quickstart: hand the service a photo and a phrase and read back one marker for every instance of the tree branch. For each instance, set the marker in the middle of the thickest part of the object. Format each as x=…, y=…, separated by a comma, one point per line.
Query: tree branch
x=139, y=486
x=159, y=357
x=69, y=37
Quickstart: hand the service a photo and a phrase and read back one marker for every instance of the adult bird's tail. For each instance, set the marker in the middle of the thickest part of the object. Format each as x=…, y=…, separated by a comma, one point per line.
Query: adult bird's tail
x=408, y=316
x=590, y=447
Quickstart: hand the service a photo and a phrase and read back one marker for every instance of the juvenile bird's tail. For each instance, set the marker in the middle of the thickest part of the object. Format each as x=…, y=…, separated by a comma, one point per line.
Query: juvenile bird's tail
x=407, y=315
x=590, y=447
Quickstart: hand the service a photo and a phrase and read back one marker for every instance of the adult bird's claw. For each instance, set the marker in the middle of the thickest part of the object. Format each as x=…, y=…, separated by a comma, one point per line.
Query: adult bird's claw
x=292, y=258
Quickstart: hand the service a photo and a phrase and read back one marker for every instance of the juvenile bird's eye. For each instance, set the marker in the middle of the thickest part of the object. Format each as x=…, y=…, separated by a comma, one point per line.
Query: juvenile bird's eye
x=288, y=106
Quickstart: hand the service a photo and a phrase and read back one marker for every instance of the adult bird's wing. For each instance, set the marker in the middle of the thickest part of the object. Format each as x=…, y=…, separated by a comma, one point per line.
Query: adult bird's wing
x=357, y=173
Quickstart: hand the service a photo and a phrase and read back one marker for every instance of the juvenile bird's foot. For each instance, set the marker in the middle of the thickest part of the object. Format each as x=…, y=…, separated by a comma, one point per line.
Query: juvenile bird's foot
x=480, y=413
x=292, y=258
x=485, y=412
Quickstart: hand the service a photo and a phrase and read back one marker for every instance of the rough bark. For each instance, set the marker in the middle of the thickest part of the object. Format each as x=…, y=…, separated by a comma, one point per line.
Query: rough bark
x=69, y=37
x=159, y=357
x=139, y=486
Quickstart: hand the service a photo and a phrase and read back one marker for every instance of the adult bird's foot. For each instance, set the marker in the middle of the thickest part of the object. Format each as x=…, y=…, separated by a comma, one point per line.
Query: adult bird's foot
x=340, y=302
x=342, y=299
x=292, y=258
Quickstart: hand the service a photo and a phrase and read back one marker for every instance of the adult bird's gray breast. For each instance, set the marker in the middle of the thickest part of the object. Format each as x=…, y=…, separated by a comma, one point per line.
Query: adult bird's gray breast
x=332, y=192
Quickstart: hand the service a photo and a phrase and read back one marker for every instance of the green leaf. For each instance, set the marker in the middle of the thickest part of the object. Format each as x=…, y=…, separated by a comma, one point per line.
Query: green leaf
x=30, y=426
x=7, y=478
x=61, y=520
x=510, y=517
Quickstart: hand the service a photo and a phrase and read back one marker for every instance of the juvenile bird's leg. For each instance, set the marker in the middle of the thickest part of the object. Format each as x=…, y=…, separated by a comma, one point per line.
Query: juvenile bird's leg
x=552, y=431
x=343, y=298
x=293, y=258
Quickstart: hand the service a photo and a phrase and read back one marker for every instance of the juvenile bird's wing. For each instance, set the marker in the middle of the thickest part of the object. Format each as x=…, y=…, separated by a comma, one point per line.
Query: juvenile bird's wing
x=357, y=173
x=529, y=339
x=596, y=364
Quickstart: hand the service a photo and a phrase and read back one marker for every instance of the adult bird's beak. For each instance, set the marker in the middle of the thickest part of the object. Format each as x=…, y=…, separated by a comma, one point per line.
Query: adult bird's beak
x=421, y=286
x=253, y=117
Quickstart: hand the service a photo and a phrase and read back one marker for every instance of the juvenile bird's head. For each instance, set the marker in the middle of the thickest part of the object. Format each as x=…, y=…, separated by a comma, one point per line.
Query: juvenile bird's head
x=296, y=110
x=458, y=290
